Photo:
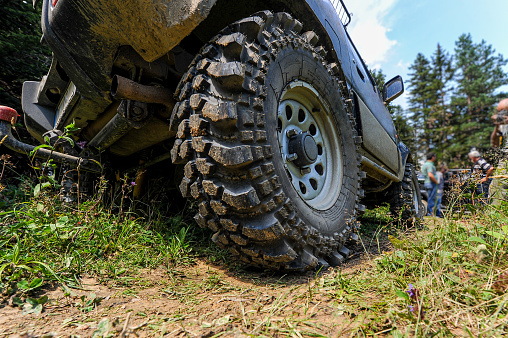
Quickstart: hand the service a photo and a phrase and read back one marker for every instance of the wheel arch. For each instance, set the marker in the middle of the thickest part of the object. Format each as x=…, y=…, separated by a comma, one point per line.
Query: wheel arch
x=313, y=14
x=405, y=155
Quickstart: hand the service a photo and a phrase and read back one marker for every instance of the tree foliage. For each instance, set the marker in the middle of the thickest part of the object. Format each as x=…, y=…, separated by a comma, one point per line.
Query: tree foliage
x=22, y=56
x=420, y=99
x=479, y=74
x=451, y=98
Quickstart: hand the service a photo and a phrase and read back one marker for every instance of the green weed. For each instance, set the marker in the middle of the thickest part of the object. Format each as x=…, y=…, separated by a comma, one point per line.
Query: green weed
x=440, y=281
x=43, y=240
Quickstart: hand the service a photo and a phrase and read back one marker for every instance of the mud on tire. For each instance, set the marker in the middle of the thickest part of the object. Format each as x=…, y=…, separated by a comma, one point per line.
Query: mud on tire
x=231, y=140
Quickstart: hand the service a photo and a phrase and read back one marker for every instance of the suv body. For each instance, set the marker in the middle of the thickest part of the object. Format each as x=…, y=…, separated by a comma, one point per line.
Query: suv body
x=147, y=58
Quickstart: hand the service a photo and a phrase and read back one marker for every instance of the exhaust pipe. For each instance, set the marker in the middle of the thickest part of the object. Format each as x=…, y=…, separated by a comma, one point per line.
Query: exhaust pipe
x=123, y=88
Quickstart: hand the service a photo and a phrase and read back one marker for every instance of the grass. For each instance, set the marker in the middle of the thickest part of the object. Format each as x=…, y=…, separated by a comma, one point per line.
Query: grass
x=444, y=280
x=43, y=240
x=447, y=279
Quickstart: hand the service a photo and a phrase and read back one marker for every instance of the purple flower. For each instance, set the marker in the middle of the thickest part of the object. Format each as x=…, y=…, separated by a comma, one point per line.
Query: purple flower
x=411, y=308
x=411, y=291
x=82, y=144
x=133, y=183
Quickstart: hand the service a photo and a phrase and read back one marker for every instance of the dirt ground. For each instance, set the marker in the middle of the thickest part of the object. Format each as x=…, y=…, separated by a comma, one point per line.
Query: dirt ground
x=198, y=300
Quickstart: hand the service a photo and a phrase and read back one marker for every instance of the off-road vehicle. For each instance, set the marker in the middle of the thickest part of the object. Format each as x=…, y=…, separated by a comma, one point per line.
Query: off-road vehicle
x=266, y=107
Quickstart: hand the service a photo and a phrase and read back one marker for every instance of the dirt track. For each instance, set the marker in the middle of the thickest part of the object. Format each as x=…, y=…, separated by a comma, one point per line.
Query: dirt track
x=199, y=300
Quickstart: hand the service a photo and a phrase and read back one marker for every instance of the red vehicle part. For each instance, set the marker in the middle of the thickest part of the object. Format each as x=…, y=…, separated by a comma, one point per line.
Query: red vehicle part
x=8, y=114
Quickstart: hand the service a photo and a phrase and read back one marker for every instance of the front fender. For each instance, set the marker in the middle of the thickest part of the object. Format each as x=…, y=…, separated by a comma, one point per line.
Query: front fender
x=405, y=157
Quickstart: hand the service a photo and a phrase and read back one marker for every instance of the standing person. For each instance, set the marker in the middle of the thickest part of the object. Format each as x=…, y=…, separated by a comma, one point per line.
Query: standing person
x=498, y=136
x=499, y=186
x=482, y=169
x=440, y=187
x=429, y=172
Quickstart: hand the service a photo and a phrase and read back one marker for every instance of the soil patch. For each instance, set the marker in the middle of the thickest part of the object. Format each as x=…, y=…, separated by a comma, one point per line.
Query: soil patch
x=199, y=300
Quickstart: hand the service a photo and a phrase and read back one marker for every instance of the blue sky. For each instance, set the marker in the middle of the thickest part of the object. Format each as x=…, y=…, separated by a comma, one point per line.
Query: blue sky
x=389, y=33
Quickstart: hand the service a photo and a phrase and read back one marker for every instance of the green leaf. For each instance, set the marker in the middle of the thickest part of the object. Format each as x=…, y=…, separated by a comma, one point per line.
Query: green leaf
x=496, y=234
x=68, y=261
x=92, y=296
x=102, y=328
x=37, y=309
x=454, y=278
x=402, y=294
x=35, y=283
x=223, y=321
x=62, y=221
x=17, y=301
x=70, y=128
x=397, y=242
x=32, y=308
x=32, y=153
x=37, y=190
x=87, y=309
x=23, y=285
x=39, y=187
x=68, y=139
x=32, y=301
x=43, y=299
x=477, y=239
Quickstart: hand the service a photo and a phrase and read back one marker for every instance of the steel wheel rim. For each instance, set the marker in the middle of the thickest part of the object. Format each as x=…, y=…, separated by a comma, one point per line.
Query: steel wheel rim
x=302, y=110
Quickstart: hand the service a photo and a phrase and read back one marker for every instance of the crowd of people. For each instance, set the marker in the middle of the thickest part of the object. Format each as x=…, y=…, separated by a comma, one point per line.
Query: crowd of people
x=481, y=170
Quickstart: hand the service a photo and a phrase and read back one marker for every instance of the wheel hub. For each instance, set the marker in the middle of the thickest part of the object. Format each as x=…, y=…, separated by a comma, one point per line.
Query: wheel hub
x=309, y=145
x=305, y=148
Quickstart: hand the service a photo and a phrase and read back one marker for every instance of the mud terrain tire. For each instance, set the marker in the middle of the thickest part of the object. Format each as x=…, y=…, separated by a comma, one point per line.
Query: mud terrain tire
x=230, y=137
x=405, y=199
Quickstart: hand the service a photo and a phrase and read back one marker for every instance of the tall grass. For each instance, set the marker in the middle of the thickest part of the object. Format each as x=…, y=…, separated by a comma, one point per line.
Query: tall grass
x=447, y=279
x=45, y=240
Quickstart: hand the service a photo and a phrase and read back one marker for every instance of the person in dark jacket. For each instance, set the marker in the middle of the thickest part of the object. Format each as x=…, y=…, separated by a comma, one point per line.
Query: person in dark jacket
x=481, y=170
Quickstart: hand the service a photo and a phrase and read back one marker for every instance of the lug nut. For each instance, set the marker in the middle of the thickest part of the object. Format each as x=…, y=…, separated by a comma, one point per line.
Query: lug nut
x=305, y=170
x=291, y=132
x=291, y=157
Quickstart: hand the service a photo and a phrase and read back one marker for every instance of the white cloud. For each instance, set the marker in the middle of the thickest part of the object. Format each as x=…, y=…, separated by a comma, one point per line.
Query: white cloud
x=403, y=65
x=368, y=29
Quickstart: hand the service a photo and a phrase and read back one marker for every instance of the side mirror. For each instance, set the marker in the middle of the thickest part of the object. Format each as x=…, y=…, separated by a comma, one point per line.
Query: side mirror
x=393, y=89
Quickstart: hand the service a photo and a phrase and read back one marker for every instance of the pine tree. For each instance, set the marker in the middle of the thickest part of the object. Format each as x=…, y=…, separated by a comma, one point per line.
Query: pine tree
x=439, y=119
x=421, y=100
x=479, y=74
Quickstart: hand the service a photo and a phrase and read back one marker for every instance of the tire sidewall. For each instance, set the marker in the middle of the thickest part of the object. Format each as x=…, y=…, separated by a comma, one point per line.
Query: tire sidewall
x=300, y=64
x=415, y=187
